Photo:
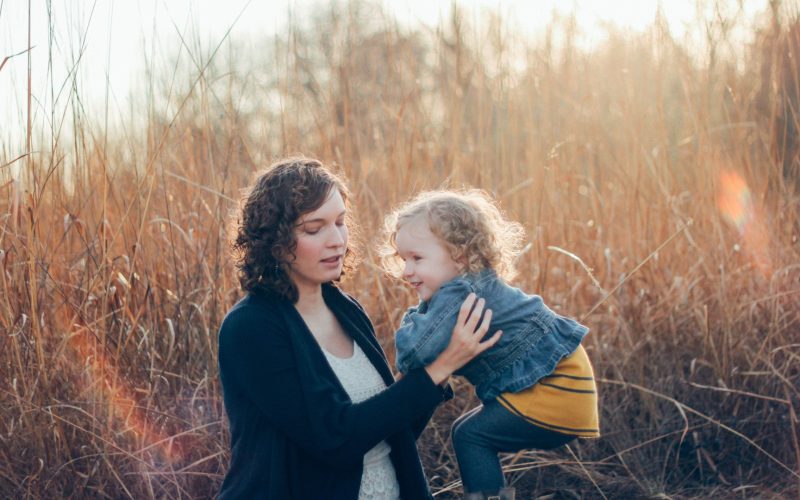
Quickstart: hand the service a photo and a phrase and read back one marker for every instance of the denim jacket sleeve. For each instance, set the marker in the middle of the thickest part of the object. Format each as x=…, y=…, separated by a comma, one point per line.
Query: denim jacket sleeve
x=425, y=330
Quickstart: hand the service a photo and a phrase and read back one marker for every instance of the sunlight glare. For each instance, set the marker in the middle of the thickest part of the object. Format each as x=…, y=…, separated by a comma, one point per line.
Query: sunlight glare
x=735, y=203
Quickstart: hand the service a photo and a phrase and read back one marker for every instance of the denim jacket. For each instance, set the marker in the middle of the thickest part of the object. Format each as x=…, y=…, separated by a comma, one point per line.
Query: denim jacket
x=534, y=337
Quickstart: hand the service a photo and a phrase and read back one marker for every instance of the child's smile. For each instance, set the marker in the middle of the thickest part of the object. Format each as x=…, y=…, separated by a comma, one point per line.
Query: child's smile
x=428, y=264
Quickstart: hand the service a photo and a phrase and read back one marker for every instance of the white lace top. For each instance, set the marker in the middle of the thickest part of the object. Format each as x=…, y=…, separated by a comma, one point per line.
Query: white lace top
x=361, y=381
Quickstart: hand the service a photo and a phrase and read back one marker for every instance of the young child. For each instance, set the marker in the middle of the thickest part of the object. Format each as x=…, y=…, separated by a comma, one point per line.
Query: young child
x=536, y=384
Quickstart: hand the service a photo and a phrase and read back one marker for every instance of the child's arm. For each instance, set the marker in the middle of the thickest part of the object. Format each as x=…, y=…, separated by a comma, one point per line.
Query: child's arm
x=423, y=336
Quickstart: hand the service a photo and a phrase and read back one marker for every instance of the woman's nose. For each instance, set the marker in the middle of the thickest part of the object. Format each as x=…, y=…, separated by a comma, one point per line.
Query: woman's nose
x=338, y=238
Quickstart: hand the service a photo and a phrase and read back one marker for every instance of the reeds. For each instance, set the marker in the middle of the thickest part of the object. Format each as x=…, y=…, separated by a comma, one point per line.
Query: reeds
x=116, y=274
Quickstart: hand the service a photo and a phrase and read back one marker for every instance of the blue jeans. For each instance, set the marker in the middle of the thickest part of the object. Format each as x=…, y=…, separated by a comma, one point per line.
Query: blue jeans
x=481, y=433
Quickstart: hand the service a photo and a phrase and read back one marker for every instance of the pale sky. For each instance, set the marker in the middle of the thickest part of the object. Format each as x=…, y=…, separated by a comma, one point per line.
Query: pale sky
x=115, y=36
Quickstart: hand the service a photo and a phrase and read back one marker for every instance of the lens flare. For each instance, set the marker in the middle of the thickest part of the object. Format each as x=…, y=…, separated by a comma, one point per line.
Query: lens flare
x=734, y=200
x=122, y=403
x=735, y=203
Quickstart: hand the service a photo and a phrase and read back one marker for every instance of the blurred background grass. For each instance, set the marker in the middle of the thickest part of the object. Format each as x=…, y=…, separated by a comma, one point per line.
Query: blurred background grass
x=116, y=271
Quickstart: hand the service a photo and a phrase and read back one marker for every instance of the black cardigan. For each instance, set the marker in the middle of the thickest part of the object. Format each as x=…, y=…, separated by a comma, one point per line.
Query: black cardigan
x=295, y=434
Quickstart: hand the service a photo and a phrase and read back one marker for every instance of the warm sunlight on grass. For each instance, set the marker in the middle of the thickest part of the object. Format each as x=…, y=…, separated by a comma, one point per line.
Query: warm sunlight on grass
x=659, y=185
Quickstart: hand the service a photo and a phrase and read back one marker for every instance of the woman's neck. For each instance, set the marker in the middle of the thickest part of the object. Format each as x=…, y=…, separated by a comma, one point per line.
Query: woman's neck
x=309, y=301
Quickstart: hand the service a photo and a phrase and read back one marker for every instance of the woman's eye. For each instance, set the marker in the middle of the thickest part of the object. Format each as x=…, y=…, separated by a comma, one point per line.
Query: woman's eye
x=312, y=231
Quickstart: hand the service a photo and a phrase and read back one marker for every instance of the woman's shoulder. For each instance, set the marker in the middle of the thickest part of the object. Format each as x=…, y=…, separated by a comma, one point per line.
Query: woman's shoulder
x=253, y=334
x=254, y=304
x=252, y=313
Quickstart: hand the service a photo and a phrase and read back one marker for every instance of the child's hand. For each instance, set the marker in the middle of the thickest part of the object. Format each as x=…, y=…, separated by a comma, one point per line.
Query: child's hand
x=465, y=342
x=398, y=377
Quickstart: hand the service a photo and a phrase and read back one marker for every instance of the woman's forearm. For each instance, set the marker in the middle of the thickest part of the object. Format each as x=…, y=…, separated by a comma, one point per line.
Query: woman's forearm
x=439, y=371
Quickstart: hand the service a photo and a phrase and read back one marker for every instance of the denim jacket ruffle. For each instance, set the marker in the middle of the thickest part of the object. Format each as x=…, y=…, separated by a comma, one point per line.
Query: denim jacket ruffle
x=534, y=337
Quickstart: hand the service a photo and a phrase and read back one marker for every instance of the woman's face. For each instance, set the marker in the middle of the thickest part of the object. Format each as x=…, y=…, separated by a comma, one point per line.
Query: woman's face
x=321, y=245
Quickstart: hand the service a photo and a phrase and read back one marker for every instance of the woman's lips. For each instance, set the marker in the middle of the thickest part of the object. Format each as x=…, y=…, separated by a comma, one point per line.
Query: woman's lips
x=332, y=261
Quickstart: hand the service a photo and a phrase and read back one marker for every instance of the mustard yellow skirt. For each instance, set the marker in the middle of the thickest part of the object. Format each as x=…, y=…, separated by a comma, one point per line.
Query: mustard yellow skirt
x=565, y=401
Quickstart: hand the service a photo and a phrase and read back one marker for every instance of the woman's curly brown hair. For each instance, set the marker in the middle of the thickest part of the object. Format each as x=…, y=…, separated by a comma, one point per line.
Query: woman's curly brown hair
x=265, y=241
x=469, y=223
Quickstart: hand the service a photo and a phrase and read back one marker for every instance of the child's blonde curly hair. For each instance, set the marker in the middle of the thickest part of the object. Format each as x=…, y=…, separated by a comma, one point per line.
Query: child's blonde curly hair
x=468, y=222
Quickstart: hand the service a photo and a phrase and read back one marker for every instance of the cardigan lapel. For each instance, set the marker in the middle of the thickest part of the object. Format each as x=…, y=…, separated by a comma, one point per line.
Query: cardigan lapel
x=312, y=363
x=357, y=325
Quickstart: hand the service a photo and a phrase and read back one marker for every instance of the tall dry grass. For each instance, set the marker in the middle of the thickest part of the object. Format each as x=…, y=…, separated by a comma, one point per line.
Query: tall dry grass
x=115, y=271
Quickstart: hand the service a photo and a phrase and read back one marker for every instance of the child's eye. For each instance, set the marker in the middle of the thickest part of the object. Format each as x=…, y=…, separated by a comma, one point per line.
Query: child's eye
x=417, y=257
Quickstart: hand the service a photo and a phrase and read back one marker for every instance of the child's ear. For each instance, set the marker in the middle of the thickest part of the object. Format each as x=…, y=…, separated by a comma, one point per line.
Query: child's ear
x=460, y=258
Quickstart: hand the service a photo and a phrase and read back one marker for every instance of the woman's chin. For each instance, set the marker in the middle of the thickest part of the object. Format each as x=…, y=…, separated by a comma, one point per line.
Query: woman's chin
x=333, y=275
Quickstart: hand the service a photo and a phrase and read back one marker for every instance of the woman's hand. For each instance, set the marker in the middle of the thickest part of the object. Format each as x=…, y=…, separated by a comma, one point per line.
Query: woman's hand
x=465, y=342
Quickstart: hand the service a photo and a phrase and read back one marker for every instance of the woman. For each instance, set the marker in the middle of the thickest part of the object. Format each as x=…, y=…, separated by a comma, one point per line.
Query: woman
x=313, y=407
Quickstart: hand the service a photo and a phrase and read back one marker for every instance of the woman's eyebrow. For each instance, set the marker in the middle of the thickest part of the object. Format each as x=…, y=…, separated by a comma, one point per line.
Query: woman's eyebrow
x=320, y=219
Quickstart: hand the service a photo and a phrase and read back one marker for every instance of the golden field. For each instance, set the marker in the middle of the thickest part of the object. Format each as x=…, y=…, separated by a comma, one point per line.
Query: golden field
x=659, y=187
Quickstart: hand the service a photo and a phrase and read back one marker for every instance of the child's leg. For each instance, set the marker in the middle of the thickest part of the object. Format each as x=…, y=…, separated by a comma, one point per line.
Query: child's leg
x=463, y=417
x=480, y=434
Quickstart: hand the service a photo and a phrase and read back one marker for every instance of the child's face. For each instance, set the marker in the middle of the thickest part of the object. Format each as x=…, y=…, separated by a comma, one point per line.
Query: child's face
x=428, y=264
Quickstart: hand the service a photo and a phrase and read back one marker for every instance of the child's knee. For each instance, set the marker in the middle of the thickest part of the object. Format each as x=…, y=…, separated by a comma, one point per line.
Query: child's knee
x=457, y=432
x=463, y=432
x=460, y=421
x=454, y=429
